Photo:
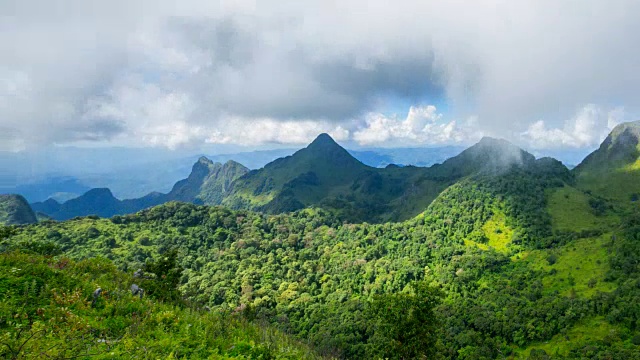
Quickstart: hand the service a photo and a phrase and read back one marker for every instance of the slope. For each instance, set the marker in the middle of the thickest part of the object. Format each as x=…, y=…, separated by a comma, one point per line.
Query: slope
x=208, y=182
x=15, y=210
x=326, y=175
x=613, y=170
x=48, y=311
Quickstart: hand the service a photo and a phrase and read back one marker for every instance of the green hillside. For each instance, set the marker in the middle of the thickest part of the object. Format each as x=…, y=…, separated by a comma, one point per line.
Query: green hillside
x=613, y=171
x=15, y=210
x=47, y=310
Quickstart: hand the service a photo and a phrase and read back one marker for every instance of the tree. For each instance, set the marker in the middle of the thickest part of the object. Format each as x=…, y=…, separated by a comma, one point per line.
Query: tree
x=167, y=273
x=405, y=324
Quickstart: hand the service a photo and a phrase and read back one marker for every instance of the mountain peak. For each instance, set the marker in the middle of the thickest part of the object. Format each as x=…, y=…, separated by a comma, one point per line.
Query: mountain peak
x=323, y=140
x=488, y=155
x=632, y=126
x=99, y=193
x=203, y=167
x=204, y=160
x=621, y=147
x=15, y=210
x=325, y=150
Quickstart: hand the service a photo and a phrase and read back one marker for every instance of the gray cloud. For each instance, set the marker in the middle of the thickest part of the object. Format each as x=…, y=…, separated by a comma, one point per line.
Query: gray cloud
x=175, y=73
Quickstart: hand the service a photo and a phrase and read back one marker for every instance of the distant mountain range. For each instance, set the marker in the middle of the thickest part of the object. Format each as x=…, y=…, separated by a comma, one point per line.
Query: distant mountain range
x=323, y=174
x=140, y=173
x=207, y=180
x=326, y=175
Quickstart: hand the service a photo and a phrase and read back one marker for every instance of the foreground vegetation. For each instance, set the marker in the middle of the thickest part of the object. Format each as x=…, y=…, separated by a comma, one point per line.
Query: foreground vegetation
x=47, y=310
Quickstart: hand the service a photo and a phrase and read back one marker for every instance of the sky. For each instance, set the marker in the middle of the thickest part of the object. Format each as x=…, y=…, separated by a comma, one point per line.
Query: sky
x=550, y=76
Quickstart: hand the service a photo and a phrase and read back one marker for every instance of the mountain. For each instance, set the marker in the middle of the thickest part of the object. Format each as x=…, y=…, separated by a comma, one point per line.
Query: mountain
x=323, y=175
x=15, y=210
x=620, y=148
x=613, y=170
x=326, y=175
x=307, y=176
x=488, y=155
x=207, y=182
x=382, y=157
x=98, y=201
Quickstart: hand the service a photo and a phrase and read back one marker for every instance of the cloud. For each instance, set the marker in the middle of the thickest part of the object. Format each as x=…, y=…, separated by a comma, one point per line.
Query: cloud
x=258, y=131
x=422, y=125
x=587, y=128
x=168, y=73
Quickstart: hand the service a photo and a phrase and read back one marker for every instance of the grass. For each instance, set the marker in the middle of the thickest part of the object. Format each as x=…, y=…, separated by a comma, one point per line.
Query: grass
x=586, y=331
x=576, y=265
x=498, y=232
x=616, y=185
x=570, y=211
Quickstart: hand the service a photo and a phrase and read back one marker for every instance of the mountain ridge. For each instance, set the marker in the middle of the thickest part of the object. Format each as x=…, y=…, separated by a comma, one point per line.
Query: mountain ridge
x=322, y=174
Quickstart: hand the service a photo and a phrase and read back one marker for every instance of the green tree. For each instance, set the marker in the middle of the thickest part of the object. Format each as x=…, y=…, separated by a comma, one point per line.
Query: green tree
x=166, y=274
x=405, y=324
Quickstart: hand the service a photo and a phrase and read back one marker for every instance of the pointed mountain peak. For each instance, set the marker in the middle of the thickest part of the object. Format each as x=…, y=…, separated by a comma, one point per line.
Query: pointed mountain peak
x=203, y=166
x=323, y=140
x=204, y=160
x=621, y=147
x=326, y=150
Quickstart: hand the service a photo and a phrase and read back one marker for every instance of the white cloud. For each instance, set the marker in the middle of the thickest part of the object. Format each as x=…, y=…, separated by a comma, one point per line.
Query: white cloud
x=264, y=130
x=587, y=128
x=422, y=125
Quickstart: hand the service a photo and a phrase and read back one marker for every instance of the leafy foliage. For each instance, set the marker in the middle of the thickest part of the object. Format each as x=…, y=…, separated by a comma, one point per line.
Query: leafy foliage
x=46, y=312
x=406, y=324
